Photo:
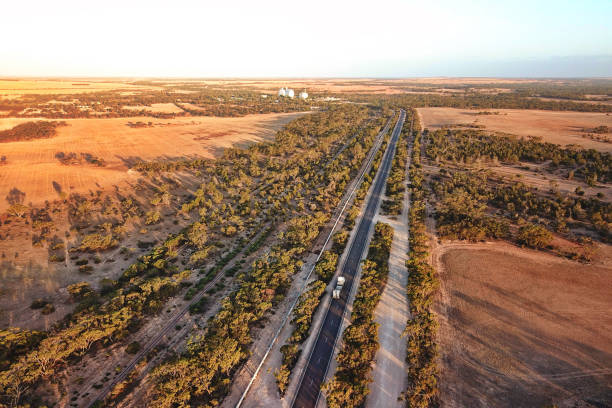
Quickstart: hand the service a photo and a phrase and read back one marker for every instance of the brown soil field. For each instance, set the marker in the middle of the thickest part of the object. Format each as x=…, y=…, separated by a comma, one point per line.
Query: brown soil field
x=12, y=88
x=555, y=127
x=33, y=168
x=520, y=328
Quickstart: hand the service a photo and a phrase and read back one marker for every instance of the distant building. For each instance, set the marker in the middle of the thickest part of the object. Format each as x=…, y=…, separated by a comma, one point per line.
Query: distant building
x=303, y=95
x=281, y=92
x=264, y=96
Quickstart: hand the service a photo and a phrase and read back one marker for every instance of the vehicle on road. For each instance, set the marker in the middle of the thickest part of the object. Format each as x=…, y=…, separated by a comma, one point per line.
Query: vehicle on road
x=338, y=289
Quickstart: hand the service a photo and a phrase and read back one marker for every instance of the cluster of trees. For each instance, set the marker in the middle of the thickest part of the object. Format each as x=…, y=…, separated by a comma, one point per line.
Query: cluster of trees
x=140, y=291
x=421, y=328
x=462, y=209
x=40, y=129
x=107, y=238
x=519, y=200
x=15, y=342
x=474, y=206
x=71, y=158
x=349, y=387
x=469, y=146
x=202, y=375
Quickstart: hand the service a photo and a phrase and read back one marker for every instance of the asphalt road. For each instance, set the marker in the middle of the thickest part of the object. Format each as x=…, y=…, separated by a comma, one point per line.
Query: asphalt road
x=320, y=357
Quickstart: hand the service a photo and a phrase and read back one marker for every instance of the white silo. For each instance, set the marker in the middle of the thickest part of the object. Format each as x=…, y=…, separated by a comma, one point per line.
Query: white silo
x=289, y=93
x=281, y=92
x=303, y=95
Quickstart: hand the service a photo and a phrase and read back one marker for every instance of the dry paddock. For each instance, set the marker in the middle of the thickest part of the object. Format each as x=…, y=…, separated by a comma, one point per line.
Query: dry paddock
x=520, y=328
x=33, y=168
x=555, y=127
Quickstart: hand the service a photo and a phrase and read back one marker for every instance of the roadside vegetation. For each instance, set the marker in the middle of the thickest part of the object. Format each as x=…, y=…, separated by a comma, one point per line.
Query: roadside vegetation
x=349, y=387
x=421, y=328
x=397, y=176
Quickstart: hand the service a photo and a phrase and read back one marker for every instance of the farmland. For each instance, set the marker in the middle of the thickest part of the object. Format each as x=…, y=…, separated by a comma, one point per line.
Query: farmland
x=33, y=167
x=555, y=127
x=520, y=328
x=515, y=325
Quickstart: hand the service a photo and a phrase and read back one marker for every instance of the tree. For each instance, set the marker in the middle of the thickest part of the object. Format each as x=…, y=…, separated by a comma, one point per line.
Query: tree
x=18, y=210
x=326, y=267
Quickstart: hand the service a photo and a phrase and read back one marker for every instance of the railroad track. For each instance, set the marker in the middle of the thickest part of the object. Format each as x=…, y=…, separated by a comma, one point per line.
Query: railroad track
x=170, y=325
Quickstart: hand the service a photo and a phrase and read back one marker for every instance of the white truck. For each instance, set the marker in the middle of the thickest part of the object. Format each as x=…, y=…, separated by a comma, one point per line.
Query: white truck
x=338, y=289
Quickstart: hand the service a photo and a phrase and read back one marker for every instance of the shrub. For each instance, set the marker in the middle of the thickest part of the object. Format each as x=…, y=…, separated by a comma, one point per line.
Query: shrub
x=133, y=348
x=38, y=304
x=152, y=217
x=79, y=291
x=534, y=236
x=98, y=242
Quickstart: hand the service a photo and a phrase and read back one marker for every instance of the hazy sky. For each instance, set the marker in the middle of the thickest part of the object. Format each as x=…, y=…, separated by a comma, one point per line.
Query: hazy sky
x=287, y=38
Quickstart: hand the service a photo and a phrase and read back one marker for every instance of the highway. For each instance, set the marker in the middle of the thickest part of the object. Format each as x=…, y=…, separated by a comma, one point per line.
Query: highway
x=320, y=357
x=327, y=231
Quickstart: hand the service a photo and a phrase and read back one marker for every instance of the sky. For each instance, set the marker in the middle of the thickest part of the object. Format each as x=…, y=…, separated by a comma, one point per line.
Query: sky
x=314, y=38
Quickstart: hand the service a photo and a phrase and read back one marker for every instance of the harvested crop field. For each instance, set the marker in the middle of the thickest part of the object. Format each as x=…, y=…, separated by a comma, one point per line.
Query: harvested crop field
x=522, y=328
x=555, y=127
x=12, y=88
x=33, y=166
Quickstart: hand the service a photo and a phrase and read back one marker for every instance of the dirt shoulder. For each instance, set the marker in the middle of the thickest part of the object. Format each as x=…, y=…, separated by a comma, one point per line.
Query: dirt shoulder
x=389, y=372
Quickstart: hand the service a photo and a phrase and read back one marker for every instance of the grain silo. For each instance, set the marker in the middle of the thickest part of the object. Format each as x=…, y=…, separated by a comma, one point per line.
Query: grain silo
x=281, y=92
x=289, y=93
x=303, y=95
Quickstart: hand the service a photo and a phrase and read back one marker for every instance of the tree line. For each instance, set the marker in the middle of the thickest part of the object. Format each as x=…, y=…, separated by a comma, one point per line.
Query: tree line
x=469, y=146
x=422, y=326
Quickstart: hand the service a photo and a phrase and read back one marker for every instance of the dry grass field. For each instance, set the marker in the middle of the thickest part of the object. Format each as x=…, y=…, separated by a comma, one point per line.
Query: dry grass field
x=556, y=127
x=32, y=166
x=16, y=88
x=521, y=328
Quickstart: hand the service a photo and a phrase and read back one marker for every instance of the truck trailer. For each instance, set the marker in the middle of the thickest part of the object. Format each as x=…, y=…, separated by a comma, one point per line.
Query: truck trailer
x=338, y=289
